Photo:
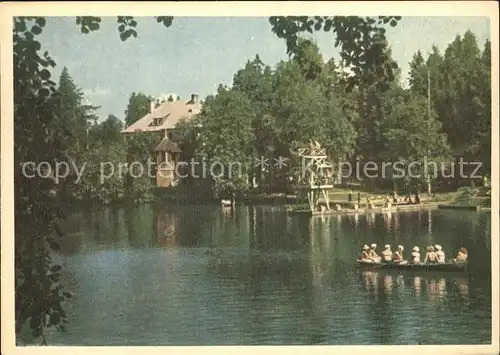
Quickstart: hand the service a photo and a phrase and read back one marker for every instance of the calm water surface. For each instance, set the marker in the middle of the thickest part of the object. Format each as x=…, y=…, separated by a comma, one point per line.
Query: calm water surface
x=199, y=275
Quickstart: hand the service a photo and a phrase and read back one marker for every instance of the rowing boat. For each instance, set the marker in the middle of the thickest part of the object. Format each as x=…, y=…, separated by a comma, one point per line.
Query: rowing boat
x=414, y=267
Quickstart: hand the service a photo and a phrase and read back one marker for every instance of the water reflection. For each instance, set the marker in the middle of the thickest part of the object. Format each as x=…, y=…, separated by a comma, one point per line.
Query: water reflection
x=388, y=284
x=434, y=287
x=463, y=287
x=195, y=275
x=166, y=229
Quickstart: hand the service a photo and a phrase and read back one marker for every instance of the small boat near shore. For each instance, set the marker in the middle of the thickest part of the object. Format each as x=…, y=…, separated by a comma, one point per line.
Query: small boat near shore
x=456, y=267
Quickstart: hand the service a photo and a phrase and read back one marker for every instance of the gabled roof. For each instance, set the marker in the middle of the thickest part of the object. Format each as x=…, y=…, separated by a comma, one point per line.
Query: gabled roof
x=169, y=114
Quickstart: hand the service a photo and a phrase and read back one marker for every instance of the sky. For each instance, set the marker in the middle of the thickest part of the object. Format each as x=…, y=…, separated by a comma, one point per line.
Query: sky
x=195, y=55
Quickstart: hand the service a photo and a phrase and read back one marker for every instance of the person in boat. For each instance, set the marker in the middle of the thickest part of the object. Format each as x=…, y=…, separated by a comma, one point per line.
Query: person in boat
x=415, y=255
x=461, y=256
x=398, y=257
x=365, y=255
x=430, y=256
x=387, y=254
x=373, y=254
x=440, y=254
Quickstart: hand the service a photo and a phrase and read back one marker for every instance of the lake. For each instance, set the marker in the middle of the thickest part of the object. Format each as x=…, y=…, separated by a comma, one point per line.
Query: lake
x=202, y=275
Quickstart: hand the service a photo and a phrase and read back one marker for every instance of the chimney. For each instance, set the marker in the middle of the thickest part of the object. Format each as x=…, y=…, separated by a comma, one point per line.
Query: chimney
x=194, y=98
x=151, y=107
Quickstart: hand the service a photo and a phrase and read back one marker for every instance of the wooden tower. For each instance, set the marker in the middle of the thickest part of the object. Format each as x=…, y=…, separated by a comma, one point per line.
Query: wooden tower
x=314, y=177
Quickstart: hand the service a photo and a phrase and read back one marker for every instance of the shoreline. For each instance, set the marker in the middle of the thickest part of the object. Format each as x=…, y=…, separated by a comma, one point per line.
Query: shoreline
x=174, y=197
x=428, y=205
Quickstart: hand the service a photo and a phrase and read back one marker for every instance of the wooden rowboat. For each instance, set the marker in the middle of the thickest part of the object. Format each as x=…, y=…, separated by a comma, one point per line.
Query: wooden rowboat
x=414, y=267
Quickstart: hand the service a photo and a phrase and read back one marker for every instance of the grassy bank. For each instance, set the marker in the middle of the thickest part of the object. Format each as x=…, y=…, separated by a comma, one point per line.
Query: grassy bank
x=469, y=198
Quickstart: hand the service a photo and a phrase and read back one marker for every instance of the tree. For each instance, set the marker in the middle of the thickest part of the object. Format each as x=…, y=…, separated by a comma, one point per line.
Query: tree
x=307, y=55
x=464, y=99
x=334, y=87
x=39, y=136
x=138, y=107
x=101, y=183
x=409, y=134
x=170, y=98
x=361, y=39
x=418, y=74
x=75, y=116
x=140, y=153
x=256, y=82
x=107, y=132
x=482, y=132
x=302, y=112
x=226, y=137
x=373, y=84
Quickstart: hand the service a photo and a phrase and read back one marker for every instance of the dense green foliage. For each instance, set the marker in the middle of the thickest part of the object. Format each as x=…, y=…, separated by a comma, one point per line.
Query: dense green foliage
x=38, y=137
x=356, y=109
x=101, y=150
x=137, y=107
x=460, y=86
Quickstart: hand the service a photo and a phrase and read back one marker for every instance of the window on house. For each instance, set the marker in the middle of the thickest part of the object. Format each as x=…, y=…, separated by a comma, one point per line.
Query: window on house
x=157, y=122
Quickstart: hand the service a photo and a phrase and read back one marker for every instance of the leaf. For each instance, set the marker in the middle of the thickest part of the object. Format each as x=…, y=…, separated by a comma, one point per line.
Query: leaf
x=36, y=30
x=40, y=21
x=45, y=74
x=393, y=23
x=20, y=26
x=94, y=26
x=328, y=25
